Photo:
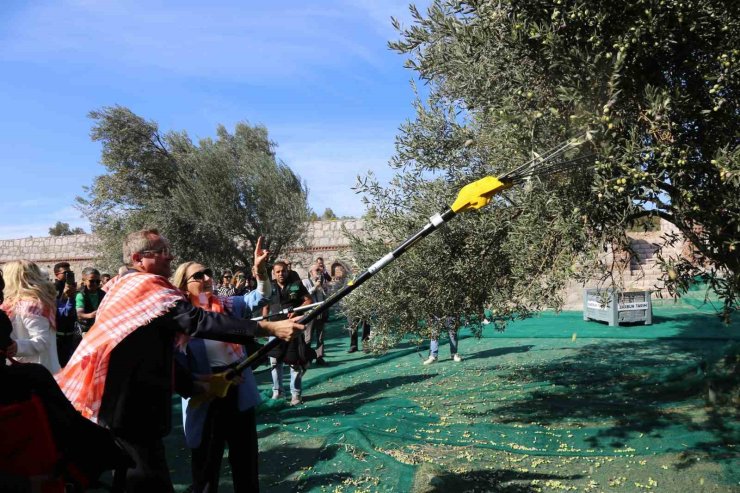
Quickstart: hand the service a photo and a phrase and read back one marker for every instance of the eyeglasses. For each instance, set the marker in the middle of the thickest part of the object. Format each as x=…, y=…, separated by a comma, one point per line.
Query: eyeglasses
x=94, y=281
x=200, y=275
x=164, y=251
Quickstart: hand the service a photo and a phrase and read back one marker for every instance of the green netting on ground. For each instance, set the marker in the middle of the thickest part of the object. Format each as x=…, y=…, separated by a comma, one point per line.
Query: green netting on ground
x=698, y=296
x=553, y=403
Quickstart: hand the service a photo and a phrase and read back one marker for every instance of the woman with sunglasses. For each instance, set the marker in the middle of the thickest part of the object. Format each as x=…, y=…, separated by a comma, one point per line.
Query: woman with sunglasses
x=229, y=420
x=88, y=299
x=226, y=288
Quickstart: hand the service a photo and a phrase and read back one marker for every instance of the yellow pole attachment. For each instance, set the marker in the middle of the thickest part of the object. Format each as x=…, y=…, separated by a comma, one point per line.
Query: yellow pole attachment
x=218, y=387
x=478, y=194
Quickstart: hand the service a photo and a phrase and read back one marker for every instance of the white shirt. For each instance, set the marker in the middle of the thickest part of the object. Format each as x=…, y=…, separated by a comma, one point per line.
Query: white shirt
x=316, y=290
x=220, y=353
x=37, y=342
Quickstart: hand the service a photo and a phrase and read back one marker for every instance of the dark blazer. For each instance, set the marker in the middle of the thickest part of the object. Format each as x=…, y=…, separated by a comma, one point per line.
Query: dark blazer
x=137, y=400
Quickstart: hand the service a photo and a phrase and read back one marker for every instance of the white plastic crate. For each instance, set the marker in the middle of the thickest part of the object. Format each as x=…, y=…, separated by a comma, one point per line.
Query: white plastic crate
x=620, y=307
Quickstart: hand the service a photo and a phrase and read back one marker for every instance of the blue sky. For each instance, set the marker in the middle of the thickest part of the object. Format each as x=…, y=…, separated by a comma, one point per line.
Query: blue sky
x=319, y=75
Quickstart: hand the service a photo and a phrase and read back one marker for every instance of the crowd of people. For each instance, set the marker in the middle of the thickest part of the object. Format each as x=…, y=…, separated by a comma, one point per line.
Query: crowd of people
x=119, y=348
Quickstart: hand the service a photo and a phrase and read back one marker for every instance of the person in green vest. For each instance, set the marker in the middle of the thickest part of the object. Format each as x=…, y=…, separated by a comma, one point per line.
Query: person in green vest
x=88, y=298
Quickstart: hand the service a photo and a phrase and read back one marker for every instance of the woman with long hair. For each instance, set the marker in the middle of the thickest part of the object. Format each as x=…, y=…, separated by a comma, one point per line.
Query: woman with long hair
x=229, y=420
x=30, y=302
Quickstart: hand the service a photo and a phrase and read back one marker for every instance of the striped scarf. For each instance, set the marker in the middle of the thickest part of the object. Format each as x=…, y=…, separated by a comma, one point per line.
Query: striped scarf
x=132, y=301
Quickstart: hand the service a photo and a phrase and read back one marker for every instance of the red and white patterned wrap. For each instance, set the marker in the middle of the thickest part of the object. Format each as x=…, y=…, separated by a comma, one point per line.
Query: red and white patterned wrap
x=132, y=301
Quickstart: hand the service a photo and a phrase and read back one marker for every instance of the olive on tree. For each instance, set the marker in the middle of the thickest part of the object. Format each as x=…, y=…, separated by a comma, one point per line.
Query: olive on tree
x=212, y=199
x=655, y=80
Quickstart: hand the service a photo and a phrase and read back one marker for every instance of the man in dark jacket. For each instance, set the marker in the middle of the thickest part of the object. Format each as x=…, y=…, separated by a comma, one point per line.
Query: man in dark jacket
x=285, y=294
x=68, y=337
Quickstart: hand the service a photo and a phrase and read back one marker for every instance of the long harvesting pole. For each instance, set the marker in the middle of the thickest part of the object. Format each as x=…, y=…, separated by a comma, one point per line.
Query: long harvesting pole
x=471, y=197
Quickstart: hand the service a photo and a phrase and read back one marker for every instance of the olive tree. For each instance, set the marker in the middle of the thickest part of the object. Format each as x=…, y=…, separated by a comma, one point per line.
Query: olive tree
x=212, y=199
x=656, y=81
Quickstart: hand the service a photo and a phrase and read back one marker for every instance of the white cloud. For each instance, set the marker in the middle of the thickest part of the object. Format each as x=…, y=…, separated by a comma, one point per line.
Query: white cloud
x=13, y=231
x=68, y=214
x=36, y=205
x=330, y=158
x=209, y=39
x=284, y=45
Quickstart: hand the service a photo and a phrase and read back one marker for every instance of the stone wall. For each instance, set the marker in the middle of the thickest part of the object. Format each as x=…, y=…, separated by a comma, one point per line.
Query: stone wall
x=638, y=271
x=78, y=250
x=327, y=239
x=324, y=239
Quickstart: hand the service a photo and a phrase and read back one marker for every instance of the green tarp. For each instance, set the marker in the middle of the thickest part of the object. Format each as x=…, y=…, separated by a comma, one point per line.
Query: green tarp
x=554, y=403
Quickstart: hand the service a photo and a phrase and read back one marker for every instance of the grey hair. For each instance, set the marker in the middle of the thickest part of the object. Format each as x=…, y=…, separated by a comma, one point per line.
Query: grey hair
x=137, y=242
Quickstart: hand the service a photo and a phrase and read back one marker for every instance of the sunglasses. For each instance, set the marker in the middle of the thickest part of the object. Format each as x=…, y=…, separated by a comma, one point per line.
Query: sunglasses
x=200, y=275
x=227, y=277
x=94, y=281
x=164, y=251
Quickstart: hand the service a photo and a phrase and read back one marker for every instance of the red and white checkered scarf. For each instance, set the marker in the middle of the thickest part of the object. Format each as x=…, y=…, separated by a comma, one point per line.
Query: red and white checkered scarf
x=132, y=301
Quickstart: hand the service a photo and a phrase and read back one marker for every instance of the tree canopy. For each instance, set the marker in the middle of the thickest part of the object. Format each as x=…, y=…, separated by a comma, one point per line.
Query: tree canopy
x=328, y=215
x=656, y=81
x=63, y=229
x=212, y=199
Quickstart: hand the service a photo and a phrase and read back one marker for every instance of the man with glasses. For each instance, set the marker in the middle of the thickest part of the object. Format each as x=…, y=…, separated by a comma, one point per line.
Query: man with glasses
x=122, y=373
x=88, y=299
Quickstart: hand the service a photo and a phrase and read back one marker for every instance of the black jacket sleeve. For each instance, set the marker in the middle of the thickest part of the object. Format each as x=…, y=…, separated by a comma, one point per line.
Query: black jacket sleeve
x=209, y=325
x=183, y=377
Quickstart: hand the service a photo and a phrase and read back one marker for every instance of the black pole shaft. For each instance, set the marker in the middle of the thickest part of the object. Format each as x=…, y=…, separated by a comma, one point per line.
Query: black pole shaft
x=298, y=309
x=257, y=357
